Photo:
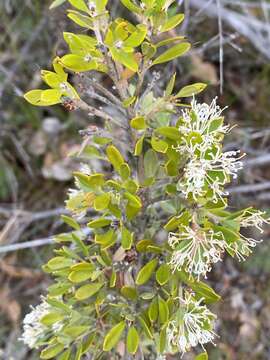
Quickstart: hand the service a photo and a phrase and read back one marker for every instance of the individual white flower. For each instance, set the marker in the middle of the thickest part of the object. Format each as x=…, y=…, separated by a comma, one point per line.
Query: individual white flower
x=33, y=329
x=242, y=248
x=192, y=325
x=256, y=218
x=195, y=250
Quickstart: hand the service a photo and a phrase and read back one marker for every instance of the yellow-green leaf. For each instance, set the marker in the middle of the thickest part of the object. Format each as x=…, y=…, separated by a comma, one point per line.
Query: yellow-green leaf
x=138, y=123
x=163, y=274
x=163, y=310
x=132, y=340
x=126, y=238
x=51, y=351
x=146, y=272
x=87, y=291
x=159, y=145
x=78, y=63
x=102, y=201
x=172, y=22
x=202, y=356
x=139, y=146
x=79, y=4
x=114, y=157
x=172, y=53
x=80, y=276
x=191, y=90
x=113, y=336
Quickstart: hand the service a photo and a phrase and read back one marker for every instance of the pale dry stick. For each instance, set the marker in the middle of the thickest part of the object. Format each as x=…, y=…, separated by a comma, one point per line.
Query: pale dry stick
x=34, y=243
x=245, y=189
x=257, y=161
x=221, y=52
x=96, y=112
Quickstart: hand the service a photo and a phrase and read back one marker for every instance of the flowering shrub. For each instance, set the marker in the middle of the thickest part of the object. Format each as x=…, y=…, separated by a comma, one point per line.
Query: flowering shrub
x=129, y=277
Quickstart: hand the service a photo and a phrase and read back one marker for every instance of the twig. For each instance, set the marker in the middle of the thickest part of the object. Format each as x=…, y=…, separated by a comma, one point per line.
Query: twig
x=34, y=243
x=220, y=28
x=244, y=189
x=26, y=245
x=93, y=111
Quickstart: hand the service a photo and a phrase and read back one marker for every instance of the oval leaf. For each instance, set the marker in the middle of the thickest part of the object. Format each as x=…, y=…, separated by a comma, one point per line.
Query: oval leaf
x=113, y=336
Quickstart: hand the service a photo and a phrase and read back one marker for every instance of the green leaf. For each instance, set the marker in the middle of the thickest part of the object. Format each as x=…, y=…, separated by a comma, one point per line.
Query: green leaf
x=90, y=182
x=172, y=22
x=51, y=96
x=153, y=310
x=71, y=222
x=124, y=171
x=51, y=318
x=163, y=274
x=80, y=276
x=129, y=292
x=202, y=356
x=114, y=157
x=138, y=123
x=126, y=238
x=151, y=163
x=59, y=262
x=159, y=145
x=113, y=336
x=80, y=19
x=132, y=340
x=65, y=355
x=191, y=90
x=99, y=223
x=129, y=101
x=137, y=37
x=172, y=53
x=145, y=327
x=170, y=86
x=163, y=340
x=146, y=272
x=102, y=201
x=56, y=3
x=131, y=6
x=139, y=146
x=87, y=291
x=133, y=200
x=170, y=132
x=75, y=331
x=78, y=63
x=51, y=351
x=163, y=310
x=79, y=4
x=127, y=59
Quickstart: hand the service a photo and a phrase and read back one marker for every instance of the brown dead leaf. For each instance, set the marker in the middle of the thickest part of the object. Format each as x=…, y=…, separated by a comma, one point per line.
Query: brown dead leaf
x=10, y=306
x=203, y=70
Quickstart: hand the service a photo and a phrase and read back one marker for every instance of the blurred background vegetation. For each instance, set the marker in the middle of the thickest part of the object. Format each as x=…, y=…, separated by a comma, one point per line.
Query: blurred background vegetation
x=231, y=53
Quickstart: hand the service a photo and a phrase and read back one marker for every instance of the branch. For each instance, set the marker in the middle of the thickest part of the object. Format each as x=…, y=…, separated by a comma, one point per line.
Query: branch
x=99, y=113
x=244, y=189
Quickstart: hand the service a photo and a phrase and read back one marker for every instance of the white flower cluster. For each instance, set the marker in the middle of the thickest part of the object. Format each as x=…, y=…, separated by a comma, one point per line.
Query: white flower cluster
x=195, y=250
x=191, y=326
x=207, y=168
x=33, y=329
